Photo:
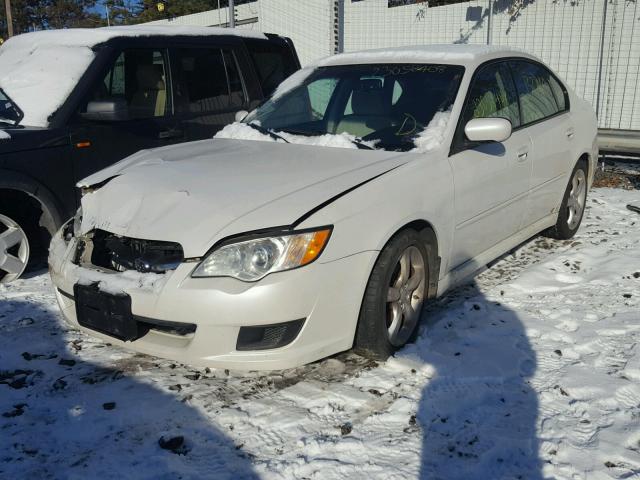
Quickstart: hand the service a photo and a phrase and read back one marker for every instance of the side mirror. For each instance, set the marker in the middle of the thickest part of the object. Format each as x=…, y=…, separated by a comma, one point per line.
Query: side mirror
x=114, y=109
x=240, y=114
x=488, y=129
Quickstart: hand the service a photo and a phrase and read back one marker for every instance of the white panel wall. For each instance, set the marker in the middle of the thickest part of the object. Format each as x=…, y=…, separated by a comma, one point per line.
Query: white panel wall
x=596, y=52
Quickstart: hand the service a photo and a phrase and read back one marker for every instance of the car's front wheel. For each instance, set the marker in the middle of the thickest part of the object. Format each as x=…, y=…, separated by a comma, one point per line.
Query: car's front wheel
x=572, y=206
x=394, y=297
x=14, y=249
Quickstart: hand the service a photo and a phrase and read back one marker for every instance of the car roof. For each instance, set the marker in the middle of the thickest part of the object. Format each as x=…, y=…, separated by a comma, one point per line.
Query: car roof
x=90, y=37
x=454, y=54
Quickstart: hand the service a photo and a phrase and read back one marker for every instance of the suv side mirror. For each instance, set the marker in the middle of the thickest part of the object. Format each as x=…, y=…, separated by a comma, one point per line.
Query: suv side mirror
x=488, y=129
x=114, y=109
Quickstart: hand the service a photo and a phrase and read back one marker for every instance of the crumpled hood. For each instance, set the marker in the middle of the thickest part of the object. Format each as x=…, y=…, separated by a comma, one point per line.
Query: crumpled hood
x=198, y=193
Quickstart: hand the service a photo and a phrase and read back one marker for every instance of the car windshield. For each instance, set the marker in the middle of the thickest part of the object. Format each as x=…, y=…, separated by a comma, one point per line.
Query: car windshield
x=388, y=105
x=9, y=111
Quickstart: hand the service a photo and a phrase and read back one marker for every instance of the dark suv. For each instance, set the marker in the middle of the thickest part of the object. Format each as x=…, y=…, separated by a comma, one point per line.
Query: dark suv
x=103, y=95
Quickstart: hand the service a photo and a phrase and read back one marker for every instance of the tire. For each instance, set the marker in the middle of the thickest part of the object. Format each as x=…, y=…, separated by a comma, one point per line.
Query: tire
x=573, y=205
x=14, y=249
x=401, y=273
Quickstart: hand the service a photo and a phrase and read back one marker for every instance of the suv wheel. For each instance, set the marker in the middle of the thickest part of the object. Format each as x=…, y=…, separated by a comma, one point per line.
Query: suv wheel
x=14, y=250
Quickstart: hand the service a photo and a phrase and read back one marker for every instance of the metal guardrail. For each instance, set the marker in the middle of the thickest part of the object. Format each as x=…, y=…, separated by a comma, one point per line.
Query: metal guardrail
x=622, y=142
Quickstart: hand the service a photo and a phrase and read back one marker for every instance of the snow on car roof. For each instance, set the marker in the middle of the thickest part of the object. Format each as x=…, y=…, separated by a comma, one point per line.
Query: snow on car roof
x=38, y=70
x=445, y=53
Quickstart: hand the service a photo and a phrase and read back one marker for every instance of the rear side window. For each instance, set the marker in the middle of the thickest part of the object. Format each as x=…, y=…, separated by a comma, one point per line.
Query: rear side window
x=273, y=62
x=559, y=92
x=492, y=95
x=537, y=100
x=206, y=80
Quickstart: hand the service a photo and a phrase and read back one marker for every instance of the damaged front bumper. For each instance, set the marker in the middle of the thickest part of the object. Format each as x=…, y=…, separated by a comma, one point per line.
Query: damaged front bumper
x=222, y=322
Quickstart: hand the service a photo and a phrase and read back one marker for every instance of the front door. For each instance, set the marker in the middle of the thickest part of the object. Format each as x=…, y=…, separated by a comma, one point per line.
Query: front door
x=492, y=179
x=139, y=80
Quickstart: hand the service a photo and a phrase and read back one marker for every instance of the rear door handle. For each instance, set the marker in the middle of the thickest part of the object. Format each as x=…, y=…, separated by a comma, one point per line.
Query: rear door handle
x=171, y=133
x=570, y=133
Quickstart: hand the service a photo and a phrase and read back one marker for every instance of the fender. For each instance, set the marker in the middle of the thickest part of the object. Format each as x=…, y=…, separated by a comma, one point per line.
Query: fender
x=52, y=217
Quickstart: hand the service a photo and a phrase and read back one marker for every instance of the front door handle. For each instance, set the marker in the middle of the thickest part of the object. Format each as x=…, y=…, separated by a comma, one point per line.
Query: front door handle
x=171, y=133
x=570, y=133
x=523, y=153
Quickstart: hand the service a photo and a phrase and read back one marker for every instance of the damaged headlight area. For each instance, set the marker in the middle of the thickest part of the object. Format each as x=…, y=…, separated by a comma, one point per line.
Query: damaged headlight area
x=250, y=260
x=71, y=229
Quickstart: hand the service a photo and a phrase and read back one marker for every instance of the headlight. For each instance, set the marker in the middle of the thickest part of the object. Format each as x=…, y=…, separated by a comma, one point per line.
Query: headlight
x=251, y=260
x=77, y=222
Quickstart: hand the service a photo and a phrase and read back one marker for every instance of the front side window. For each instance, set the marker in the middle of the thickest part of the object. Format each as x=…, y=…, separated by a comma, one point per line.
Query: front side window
x=492, y=94
x=138, y=78
x=206, y=80
x=389, y=104
x=537, y=100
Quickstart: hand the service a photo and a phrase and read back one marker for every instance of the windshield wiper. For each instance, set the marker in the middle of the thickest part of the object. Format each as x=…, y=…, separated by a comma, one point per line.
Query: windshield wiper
x=266, y=131
x=310, y=133
x=358, y=142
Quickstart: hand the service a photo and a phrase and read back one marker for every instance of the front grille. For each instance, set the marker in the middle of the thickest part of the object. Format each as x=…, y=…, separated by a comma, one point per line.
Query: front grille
x=123, y=253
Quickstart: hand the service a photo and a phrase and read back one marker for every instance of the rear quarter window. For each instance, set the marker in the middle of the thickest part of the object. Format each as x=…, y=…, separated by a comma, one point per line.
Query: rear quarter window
x=273, y=61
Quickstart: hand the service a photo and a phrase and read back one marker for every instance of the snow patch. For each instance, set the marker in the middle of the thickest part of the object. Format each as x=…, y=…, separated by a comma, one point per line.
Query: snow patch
x=433, y=135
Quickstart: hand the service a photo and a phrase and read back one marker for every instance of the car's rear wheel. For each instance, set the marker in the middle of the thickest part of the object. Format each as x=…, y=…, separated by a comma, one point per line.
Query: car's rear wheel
x=572, y=206
x=14, y=249
x=394, y=297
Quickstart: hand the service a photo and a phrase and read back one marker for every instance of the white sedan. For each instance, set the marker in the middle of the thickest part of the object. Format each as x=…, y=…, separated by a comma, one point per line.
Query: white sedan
x=368, y=184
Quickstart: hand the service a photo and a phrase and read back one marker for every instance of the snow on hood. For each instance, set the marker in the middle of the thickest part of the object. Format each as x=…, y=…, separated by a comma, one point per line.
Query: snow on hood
x=199, y=193
x=30, y=70
x=242, y=131
x=4, y=135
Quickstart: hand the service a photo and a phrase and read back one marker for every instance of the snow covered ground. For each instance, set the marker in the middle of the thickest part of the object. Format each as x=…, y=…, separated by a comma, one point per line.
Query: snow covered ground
x=531, y=372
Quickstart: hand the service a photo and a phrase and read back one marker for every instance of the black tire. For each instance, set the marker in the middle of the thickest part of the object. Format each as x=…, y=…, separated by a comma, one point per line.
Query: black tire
x=563, y=230
x=372, y=334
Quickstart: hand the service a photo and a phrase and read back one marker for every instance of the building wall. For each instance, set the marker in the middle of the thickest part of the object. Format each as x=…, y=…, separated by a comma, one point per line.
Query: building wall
x=594, y=45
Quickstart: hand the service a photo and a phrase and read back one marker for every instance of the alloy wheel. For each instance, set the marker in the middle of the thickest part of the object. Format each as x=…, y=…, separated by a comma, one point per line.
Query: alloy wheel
x=577, y=198
x=405, y=296
x=14, y=250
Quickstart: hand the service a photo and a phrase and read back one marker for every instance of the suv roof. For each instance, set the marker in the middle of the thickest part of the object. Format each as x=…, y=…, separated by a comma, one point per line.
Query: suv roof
x=30, y=72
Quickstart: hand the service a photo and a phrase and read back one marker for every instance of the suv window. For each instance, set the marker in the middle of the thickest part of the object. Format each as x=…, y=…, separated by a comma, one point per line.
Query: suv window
x=207, y=80
x=139, y=76
x=273, y=62
x=492, y=94
x=537, y=100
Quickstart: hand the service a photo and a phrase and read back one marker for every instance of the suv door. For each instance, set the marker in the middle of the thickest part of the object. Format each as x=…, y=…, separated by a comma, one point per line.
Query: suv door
x=544, y=105
x=491, y=179
x=137, y=80
x=208, y=89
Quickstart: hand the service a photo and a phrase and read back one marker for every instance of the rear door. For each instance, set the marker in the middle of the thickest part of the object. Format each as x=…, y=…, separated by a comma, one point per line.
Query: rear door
x=139, y=77
x=209, y=88
x=491, y=179
x=545, y=116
